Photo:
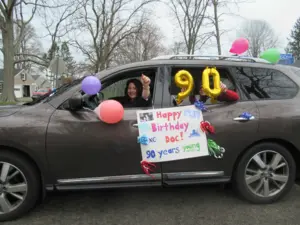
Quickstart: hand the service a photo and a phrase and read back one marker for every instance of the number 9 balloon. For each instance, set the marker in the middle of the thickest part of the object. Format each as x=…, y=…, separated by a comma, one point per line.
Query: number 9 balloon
x=184, y=80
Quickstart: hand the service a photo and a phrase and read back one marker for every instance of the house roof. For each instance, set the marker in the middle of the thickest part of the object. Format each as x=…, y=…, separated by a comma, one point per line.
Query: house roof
x=2, y=73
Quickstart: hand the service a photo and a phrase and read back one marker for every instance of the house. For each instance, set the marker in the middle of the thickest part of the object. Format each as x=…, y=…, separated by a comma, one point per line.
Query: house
x=41, y=81
x=24, y=83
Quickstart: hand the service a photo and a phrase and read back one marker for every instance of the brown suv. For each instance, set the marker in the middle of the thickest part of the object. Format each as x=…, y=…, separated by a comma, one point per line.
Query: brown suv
x=57, y=142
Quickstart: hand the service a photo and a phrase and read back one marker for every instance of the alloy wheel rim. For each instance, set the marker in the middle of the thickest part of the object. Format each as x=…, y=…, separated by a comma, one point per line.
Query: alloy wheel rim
x=267, y=173
x=13, y=187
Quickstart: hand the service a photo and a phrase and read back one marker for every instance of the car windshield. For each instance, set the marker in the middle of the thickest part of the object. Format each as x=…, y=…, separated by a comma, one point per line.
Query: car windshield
x=47, y=97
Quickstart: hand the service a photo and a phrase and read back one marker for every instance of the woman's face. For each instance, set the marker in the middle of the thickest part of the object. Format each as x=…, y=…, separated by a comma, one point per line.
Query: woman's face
x=132, y=92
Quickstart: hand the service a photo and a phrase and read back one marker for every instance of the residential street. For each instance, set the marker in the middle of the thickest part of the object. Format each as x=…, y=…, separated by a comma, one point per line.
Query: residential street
x=208, y=205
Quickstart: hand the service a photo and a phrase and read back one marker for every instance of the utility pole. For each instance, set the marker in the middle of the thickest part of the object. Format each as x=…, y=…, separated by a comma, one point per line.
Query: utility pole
x=57, y=66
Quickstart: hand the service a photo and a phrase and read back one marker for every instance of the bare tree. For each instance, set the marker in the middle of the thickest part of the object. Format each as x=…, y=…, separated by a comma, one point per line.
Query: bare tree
x=177, y=47
x=58, y=23
x=217, y=15
x=106, y=23
x=29, y=44
x=260, y=34
x=190, y=16
x=10, y=43
x=11, y=15
x=146, y=44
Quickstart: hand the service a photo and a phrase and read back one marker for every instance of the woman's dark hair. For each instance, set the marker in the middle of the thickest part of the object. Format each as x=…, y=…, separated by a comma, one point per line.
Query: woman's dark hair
x=138, y=85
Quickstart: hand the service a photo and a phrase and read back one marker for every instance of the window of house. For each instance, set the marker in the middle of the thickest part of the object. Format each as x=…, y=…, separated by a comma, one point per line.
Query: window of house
x=260, y=83
x=114, y=88
x=197, y=75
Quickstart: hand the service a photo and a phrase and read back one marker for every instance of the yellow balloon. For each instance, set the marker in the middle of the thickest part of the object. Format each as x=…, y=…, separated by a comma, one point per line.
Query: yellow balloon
x=183, y=79
x=216, y=91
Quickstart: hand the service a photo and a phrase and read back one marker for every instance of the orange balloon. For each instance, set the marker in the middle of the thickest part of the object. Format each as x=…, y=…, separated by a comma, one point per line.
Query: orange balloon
x=111, y=111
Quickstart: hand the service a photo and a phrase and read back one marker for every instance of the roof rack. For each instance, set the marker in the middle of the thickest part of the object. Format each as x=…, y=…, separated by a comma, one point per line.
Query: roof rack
x=212, y=57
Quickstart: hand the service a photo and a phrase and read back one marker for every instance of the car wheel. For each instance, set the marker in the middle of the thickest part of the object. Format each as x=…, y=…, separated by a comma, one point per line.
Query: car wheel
x=19, y=185
x=265, y=173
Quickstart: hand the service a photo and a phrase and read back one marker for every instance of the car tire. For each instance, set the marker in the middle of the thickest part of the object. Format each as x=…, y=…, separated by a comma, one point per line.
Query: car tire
x=23, y=173
x=263, y=184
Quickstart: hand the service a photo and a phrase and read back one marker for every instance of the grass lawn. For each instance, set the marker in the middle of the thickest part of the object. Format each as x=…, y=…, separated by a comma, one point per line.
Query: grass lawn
x=20, y=100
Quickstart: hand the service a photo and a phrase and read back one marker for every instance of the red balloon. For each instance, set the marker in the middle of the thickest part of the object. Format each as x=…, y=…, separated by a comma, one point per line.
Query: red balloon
x=111, y=111
x=239, y=46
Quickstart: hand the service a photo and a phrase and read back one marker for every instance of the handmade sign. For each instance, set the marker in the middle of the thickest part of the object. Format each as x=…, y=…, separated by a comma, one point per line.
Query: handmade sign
x=171, y=134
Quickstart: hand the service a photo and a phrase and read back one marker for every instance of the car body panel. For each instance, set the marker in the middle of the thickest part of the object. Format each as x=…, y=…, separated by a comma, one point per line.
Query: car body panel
x=81, y=146
x=112, y=151
x=69, y=164
x=8, y=110
x=25, y=131
x=230, y=134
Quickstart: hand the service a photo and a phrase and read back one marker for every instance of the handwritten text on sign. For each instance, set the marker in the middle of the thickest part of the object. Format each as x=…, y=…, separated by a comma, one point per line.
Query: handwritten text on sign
x=173, y=134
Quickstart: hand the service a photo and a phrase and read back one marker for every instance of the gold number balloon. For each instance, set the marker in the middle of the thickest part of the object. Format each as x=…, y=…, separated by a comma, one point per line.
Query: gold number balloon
x=184, y=80
x=216, y=91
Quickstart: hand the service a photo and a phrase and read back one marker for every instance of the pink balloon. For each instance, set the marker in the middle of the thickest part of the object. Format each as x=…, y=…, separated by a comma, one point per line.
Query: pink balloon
x=111, y=111
x=239, y=46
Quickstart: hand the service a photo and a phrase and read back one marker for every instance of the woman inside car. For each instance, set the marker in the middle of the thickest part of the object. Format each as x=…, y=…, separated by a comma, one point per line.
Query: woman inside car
x=137, y=93
x=225, y=96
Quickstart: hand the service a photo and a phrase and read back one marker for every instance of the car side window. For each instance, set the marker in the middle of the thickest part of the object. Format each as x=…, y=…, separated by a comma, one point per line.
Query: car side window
x=260, y=83
x=114, y=88
x=197, y=75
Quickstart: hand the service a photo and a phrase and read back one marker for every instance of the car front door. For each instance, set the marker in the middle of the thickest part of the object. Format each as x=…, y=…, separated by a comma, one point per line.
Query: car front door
x=83, y=150
x=232, y=134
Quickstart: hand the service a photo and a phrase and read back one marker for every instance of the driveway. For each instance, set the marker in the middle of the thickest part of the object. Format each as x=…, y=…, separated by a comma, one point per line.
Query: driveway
x=209, y=205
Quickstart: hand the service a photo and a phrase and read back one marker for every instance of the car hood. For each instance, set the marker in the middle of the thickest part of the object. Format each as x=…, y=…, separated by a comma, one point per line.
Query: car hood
x=7, y=110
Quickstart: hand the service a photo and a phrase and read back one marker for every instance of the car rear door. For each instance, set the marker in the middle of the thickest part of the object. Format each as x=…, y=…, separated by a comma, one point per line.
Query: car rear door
x=82, y=150
x=233, y=135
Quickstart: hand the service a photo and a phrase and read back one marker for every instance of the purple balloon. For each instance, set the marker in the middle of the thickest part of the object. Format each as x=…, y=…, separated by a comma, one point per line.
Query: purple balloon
x=91, y=85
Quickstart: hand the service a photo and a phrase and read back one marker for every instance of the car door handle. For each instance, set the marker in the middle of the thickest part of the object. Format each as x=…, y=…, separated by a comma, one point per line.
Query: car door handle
x=135, y=125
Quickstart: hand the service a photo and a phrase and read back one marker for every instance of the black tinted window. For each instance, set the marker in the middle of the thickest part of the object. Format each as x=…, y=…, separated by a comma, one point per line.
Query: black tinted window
x=261, y=83
x=197, y=75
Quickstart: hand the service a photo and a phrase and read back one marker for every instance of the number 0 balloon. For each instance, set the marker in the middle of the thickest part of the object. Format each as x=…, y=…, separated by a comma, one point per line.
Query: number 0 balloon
x=215, y=92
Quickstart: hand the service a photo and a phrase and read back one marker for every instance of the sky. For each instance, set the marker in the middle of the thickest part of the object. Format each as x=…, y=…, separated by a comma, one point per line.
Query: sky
x=281, y=15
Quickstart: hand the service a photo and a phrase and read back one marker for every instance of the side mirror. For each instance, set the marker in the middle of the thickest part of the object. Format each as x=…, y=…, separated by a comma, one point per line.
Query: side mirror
x=75, y=103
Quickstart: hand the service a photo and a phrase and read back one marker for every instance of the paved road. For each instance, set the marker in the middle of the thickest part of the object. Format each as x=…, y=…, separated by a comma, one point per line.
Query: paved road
x=210, y=205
